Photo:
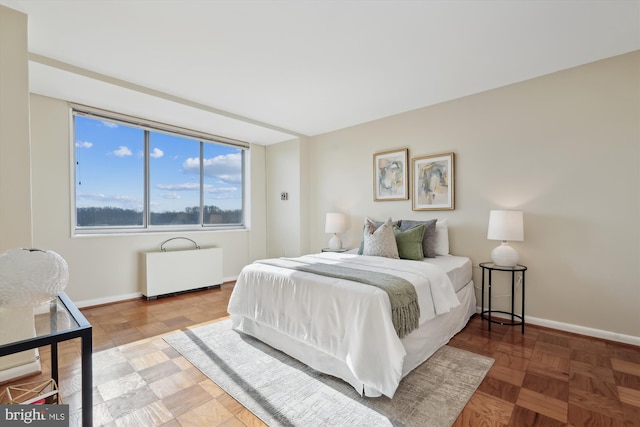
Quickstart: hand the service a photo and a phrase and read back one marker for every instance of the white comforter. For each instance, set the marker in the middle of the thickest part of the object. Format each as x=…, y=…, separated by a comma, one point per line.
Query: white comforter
x=348, y=320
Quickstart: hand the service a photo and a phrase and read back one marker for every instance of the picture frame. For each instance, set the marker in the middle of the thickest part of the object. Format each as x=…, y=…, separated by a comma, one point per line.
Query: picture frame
x=433, y=182
x=391, y=175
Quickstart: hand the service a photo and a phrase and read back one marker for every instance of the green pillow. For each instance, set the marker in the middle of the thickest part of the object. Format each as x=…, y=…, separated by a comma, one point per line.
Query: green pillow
x=410, y=242
x=429, y=239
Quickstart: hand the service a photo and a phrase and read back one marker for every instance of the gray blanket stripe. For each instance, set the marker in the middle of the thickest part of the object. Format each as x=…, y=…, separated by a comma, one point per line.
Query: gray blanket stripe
x=405, y=311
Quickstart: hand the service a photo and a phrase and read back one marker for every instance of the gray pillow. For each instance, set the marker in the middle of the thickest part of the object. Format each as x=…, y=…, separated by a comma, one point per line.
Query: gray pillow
x=377, y=224
x=429, y=238
x=380, y=241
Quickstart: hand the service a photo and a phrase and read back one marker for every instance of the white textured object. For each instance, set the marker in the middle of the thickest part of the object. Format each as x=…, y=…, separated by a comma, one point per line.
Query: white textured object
x=31, y=277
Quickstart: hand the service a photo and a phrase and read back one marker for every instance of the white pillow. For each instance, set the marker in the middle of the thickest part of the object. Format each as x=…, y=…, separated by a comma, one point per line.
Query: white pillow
x=380, y=241
x=441, y=246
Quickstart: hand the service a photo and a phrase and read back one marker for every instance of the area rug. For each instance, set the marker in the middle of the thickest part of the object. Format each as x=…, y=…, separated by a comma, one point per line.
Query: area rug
x=282, y=391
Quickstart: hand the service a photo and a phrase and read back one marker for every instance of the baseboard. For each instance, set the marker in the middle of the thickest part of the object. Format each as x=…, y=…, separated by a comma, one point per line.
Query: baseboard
x=124, y=297
x=107, y=300
x=581, y=330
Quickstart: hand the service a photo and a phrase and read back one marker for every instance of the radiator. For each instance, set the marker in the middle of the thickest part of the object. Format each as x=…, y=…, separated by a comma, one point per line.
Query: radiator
x=170, y=272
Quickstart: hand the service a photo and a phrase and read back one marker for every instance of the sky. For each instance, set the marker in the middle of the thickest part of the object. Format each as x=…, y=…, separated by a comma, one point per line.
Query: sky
x=110, y=169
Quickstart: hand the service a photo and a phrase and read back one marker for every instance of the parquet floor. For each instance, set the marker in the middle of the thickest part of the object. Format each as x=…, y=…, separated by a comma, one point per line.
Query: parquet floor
x=542, y=378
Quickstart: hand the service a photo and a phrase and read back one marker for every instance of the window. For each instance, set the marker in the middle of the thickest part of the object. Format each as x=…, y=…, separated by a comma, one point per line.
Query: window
x=138, y=175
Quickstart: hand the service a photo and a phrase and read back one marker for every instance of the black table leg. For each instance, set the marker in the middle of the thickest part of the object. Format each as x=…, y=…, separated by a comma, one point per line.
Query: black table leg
x=513, y=292
x=482, y=306
x=54, y=363
x=87, y=380
x=489, y=312
x=522, y=272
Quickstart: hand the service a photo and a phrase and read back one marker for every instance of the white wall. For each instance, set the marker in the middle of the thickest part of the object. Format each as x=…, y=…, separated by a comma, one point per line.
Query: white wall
x=288, y=220
x=283, y=175
x=15, y=176
x=564, y=148
x=109, y=267
x=15, y=171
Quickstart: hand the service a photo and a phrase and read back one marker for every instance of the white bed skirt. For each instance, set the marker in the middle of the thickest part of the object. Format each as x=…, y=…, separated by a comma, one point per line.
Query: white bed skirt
x=419, y=344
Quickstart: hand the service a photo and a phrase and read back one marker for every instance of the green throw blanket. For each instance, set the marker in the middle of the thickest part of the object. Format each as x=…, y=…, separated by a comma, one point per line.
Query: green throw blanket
x=405, y=311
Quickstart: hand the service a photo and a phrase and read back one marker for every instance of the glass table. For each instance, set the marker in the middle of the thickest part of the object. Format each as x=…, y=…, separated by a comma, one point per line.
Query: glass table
x=63, y=321
x=491, y=267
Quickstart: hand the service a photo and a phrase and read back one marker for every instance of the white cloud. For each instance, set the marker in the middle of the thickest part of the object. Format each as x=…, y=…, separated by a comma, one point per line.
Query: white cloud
x=122, y=151
x=223, y=193
x=222, y=190
x=226, y=171
x=84, y=144
x=171, y=196
x=109, y=124
x=156, y=153
x=231, y=179
x=191, y=165
x=187, y=186
x=101, y=199
x=227, y=168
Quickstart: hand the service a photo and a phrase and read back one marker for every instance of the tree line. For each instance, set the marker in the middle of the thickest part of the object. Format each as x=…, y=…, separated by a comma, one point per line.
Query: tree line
x=113, y=216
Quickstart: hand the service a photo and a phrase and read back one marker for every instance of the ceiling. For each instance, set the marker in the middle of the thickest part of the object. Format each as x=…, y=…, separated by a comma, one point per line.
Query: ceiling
x=267, y=71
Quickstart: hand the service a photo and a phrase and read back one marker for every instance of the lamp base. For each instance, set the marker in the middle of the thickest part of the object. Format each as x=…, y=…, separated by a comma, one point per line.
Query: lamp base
x=504, y=256
x=335, y=244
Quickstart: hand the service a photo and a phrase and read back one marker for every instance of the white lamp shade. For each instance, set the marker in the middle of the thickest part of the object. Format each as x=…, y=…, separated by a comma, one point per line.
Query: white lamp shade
x=335, y=223
x=505, y=225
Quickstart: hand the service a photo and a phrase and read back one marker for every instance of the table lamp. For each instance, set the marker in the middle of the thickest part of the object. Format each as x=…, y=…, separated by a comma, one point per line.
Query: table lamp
x=505, y=226
x=335, y=223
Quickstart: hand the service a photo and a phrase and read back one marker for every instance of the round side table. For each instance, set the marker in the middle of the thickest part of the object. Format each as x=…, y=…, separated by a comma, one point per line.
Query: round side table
x=516, y=319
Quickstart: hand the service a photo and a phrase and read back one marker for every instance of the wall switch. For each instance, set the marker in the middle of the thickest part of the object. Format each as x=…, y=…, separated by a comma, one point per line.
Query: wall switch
x=284, y=196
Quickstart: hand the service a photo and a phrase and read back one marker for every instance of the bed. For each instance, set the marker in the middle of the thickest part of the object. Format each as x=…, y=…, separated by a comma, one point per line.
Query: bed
x=344, y=328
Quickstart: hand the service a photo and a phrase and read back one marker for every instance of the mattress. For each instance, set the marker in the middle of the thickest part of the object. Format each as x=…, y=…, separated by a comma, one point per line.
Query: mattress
x=458, y=268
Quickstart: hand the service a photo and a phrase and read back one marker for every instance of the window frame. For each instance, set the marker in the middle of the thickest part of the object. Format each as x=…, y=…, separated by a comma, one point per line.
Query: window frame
x=149, y=126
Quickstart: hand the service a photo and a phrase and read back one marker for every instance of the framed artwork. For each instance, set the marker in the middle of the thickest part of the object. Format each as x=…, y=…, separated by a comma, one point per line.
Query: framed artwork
x=432, y=185
x=390, y=175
